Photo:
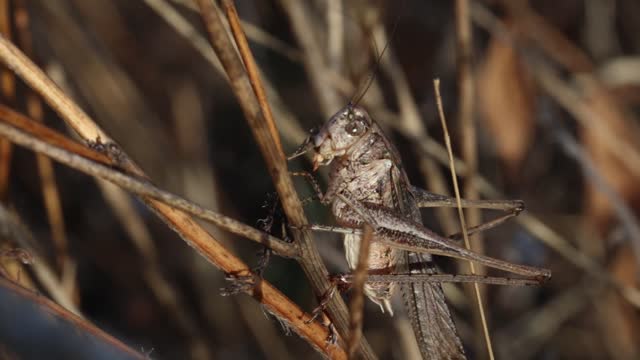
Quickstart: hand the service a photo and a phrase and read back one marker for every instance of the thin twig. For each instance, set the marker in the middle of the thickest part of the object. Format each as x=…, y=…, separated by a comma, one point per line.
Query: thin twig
x=50, y=191
x=466, y=89
x=357, y=301
x=274, y=301
x=252, y=69
x=288, y=125
x=259, y=89
x=11, y=127
x=436, y=85
x=528, y=221
x=310, y=259
x=30, y=73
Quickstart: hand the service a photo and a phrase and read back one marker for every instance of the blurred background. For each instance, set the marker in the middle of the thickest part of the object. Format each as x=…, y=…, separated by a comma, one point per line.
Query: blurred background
x=557, y=90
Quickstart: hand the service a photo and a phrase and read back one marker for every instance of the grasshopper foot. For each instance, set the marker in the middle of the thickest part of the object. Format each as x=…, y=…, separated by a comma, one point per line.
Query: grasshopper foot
x=239, y=284
x=323, y=304
x=332, y=338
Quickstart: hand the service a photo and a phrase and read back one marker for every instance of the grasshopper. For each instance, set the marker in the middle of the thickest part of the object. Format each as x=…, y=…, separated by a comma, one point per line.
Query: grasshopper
x=367, y=184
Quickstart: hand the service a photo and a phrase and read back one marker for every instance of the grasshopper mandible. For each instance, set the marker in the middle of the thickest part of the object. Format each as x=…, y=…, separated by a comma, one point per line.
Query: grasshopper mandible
x=367, y=184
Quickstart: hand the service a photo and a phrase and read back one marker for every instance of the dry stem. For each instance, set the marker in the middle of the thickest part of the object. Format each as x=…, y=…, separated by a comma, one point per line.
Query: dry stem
x=179, y=221
x=254, y=112
x=357, y=301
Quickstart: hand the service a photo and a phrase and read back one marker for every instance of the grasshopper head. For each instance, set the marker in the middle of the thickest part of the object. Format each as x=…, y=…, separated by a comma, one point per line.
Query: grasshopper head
x=339, y=134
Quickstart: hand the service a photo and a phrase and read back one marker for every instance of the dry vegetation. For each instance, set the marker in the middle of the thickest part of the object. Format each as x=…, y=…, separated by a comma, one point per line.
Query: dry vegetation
x=543, y=108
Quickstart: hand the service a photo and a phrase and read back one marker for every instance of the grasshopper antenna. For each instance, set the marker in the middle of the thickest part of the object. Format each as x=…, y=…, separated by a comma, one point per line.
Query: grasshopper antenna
x=308, y=144
x=372, y=75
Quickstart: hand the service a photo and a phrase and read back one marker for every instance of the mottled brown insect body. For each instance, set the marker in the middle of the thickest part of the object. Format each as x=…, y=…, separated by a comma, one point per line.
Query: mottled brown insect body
x=366, y=169
x=373, y=185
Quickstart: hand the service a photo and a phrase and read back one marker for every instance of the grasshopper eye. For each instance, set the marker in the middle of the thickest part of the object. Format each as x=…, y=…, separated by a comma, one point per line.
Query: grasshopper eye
x=355, y=128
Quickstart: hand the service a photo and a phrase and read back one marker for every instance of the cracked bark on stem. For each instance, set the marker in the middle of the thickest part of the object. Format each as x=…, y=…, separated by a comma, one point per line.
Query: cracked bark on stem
x=191, y=232
x=310, y=259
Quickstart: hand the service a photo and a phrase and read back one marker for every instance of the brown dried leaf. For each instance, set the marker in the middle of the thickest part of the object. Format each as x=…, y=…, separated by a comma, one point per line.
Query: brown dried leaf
x=507, y=100
x=598, y=208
